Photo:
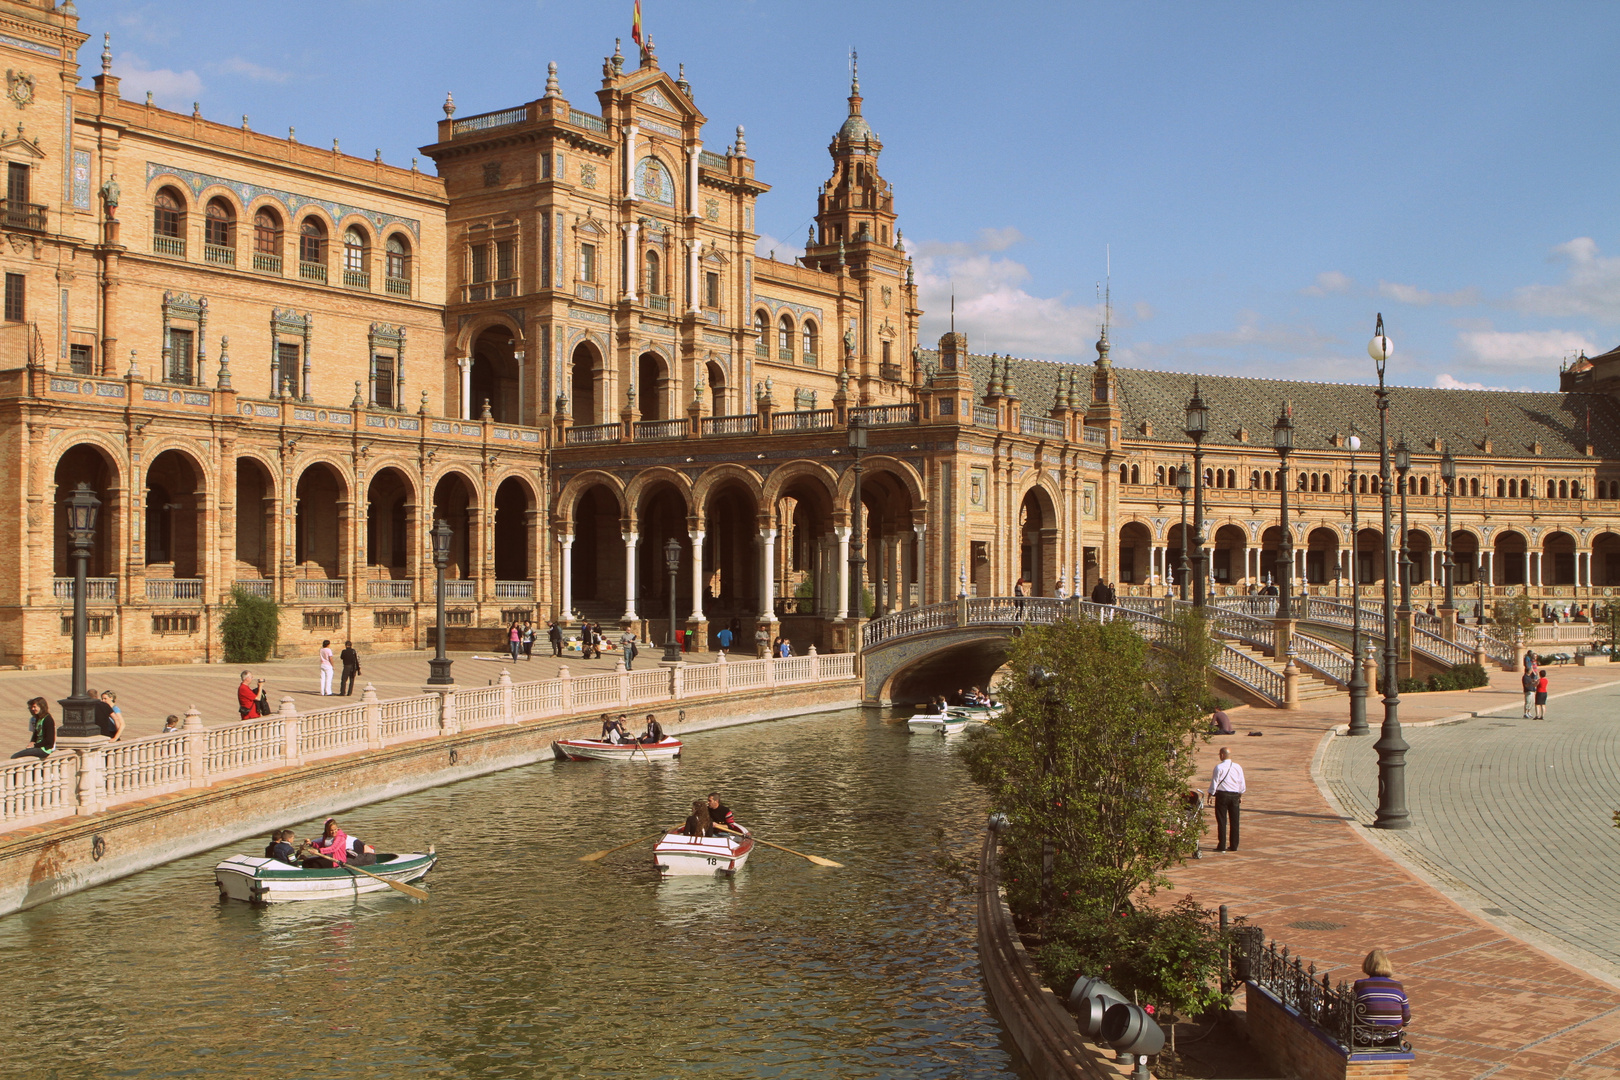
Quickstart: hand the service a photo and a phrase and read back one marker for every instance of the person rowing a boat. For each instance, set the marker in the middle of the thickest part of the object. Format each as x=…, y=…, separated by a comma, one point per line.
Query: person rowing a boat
x=613, y=730
x=720, y=814
x=654, y=732
x=332, y=849
x=698, y=822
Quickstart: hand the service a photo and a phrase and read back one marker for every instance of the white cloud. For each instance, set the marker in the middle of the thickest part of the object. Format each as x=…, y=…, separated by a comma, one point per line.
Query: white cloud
x=1411, y=294
x=1520, y=350
x=1447, y=381
x=249, y=70
x=1591, y=286
x=1253, y=333
x=786, y=250
x=1329, y=283
x=171, y=89
x=994, y=306
x=1144, y=311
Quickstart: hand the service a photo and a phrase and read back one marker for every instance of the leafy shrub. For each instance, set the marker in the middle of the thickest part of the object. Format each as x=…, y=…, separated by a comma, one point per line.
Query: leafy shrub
x=250, y=626
x=1461, y=677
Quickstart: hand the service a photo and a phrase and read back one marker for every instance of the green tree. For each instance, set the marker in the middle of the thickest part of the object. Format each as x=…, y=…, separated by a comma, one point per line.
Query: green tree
x=1606, y=625
x=250, y=627
x=1515, y=618
x=1093, y=768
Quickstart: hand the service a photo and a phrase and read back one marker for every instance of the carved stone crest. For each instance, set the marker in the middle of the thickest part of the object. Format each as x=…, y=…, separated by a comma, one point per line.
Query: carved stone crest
x=19, y=88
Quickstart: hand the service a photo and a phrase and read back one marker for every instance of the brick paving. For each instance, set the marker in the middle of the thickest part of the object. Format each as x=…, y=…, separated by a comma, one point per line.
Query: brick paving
x=147, y=694
x=1485, y=1002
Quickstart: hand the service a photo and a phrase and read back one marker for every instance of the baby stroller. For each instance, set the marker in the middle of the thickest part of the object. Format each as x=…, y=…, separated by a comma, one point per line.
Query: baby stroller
x=1192, y=801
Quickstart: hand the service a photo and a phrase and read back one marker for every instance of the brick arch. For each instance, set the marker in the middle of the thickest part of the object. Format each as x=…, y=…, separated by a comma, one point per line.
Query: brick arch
x=909, y=480
x=784, y=475
x=569, y=494
x=517, y=473
x=170, y=180
x=650, y=479
x=271, y=468
x=413, y=480
x=220, y=191
x=345, y=476
x=715, y=477
x=468, y=477
x=469, y=333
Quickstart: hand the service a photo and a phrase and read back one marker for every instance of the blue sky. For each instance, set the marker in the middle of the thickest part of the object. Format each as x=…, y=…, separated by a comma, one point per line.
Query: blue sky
x=1267, y=176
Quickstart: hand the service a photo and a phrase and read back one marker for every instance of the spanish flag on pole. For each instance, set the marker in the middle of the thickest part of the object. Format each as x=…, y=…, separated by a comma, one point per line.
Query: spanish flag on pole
x=635, y=27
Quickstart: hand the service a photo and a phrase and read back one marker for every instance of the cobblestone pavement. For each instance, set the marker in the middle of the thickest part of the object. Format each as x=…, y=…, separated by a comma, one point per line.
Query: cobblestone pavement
x=1485, y=1002
x=1516, y=811
x=148, y=694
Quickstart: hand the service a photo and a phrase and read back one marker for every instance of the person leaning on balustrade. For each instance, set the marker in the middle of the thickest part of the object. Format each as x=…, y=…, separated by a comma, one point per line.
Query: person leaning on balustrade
x=41, y=730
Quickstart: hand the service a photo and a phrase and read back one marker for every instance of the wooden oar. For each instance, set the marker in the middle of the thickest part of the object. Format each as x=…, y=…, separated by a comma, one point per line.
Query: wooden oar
x=397, y=886
x=593, y=856
x=817, y=859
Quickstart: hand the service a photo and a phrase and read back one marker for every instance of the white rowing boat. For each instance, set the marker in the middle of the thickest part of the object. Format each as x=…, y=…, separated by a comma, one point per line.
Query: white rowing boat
x=679, y=855
x=269, y=881
x=978, y=713
x=934, y=724
x=597, y=750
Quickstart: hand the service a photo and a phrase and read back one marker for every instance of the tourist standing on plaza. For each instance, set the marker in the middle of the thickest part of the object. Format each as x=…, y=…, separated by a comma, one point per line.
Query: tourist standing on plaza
x=1227, y=786
x=627, y=648
x=326, y=668
x=1541, y=695
x=351, y=668
x=762, y=642
x=514, y=639
x=528, y=640
x=724, y=638
x=554, y=634
x=1529, y=660
x=1528, y=683
x=41, y=730
x=247, y=702
x=1381, y=1003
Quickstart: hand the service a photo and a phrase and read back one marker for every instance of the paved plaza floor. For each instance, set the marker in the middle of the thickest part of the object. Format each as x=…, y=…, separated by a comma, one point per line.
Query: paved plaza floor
x=148, y=694
x=1486, y=1002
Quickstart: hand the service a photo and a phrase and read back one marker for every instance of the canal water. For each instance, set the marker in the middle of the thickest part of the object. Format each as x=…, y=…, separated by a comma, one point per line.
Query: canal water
x=529, y=963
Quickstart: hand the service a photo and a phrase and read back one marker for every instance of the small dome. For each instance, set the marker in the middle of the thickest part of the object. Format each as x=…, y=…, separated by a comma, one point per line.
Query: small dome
x=856, y=129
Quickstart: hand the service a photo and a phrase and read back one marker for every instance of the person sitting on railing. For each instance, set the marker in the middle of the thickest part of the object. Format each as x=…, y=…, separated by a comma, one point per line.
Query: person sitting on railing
x=109, y=718
x=41, y=730
x=247, y=702
x=1382, y=1011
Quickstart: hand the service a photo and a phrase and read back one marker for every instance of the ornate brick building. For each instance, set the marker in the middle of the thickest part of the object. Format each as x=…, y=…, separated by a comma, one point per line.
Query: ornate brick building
x=277, y=364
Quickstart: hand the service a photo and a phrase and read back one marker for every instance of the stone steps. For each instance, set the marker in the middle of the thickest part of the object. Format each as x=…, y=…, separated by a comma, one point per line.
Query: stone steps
x=1310, y=686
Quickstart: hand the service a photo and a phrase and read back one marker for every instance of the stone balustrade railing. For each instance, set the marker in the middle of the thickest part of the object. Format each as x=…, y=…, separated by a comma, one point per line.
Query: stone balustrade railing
x=88, y=781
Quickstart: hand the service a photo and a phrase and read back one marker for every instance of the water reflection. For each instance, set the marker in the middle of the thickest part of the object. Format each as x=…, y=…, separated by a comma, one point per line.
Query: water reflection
x=527, y=962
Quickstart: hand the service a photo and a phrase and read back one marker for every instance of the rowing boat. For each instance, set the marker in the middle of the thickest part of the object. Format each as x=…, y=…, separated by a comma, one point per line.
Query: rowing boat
x=597, y=750
x=270, y=881
x=679, y=855
x=934, y=724
x=981, y=713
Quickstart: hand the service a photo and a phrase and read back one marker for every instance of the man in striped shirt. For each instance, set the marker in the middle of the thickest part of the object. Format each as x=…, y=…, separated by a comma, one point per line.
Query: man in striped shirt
x=1227, y=786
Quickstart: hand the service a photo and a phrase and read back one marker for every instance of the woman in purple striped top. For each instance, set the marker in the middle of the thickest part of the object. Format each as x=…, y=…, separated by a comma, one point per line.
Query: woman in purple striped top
x=1382, y=1010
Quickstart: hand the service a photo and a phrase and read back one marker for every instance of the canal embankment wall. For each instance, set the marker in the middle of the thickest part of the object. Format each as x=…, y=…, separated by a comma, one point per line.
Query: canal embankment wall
x=94, y=813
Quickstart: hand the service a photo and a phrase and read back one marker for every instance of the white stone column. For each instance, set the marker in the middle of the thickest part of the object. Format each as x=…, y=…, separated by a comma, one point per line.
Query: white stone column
x=630, y=131
x=630, y=541
x=842, y=610
x=1583, y=569
x=567, y=590
x=693, y=152
x=920, y=561
x=1488, y=561
x=767, y=590
x=465, y=364
x=1529, y=568
x=697, y=575
x=692, y=254
x=632, y=261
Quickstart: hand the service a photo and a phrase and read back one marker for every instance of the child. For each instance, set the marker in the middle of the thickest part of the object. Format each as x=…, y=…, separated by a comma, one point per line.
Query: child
x=1541, y=695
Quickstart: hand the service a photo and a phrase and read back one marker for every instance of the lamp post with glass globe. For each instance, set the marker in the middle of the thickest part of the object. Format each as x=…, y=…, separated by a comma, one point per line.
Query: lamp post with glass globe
x=1358, y=677
x=1403, y=466
x=1197, y=427
x=1391, y=747
x=672, y=561
x=1282, y=437
x=79, y=708
x=1183, y=484
x=439, y=666
x=1448, y=475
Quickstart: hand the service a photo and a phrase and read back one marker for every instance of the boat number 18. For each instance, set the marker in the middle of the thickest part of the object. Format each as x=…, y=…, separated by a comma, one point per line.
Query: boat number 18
x=714, y=862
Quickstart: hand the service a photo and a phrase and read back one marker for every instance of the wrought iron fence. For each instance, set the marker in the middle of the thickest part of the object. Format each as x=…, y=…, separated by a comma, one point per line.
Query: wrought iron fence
x=1331, y=1009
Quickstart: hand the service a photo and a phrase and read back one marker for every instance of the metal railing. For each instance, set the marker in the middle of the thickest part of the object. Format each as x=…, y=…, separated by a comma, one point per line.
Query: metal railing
x=357, y=279
x=1330, y=1009
x=1043, y=426
x=96, y=589
x=269, y=264
x=173, y=589
x=21, y=215
x=662, y=429
x=592, y=433
x=881, y=415
x=804, y=420
x=740, y=424
x=391, y=589
x=320, y=588
x=485, y=121
x=309, y=271
x=399, y=286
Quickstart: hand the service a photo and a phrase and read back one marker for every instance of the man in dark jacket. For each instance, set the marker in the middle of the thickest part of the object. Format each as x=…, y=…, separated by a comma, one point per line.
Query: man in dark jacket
x=555, y=636
x=351, y=668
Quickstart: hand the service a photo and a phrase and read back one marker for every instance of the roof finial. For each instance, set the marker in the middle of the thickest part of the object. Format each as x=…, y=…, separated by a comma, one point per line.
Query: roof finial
x=854, y=73
x=552, y=89
x=106, y=54
x=449, y=104
x=953, y=307
x=681, y=84
x=742, y=143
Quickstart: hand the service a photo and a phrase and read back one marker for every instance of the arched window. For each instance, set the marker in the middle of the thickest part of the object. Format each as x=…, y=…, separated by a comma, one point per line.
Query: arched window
x=398, y=257
x=762, y=328
x=654, y=278
x=1209, y=478
x=1574, y=489
x=1231, y=478
x=1500, y=489
x=1473, y=487
x=1265, y=480
x=784, y=338
x=1254, y=480
x=312, y=244
x=812, y=343
x=355, y=245
x=1302, y=482
x=169, y=222
x=1316, y=483
x=1158, y=476
x=1136, y=474
x=1423, y=485
x=1563, y=489
x=219, y=227
x=267, y=240
x=1124, y=474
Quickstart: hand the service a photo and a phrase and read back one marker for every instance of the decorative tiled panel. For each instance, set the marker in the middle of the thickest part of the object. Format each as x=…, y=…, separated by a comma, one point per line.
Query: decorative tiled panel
x=81, y=179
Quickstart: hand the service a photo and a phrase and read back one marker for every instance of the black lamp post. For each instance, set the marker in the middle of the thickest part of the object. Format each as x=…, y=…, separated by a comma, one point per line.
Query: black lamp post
x=79, y=709
x=1403, y=465
x=1391, y=747
x=1184, y=483
x=857, y=562
x=1282, y=437
x=672, y=561
x=1448, y=474
x=439, y=666
x=1358, y=677
x=1196, y=428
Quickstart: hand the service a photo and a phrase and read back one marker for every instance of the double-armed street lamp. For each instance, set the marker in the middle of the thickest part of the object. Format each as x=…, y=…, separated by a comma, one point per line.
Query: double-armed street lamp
x=1197, y=427
x=672, y=561
x=1448, y=474
x=1358, y=677
x=1391, y=747
x=1282, y=437
x=79, y=708
x=1184, y=484
x=439, y=666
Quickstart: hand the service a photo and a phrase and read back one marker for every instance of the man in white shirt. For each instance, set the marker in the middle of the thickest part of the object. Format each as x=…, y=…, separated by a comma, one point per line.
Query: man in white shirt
x=1227, y=787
